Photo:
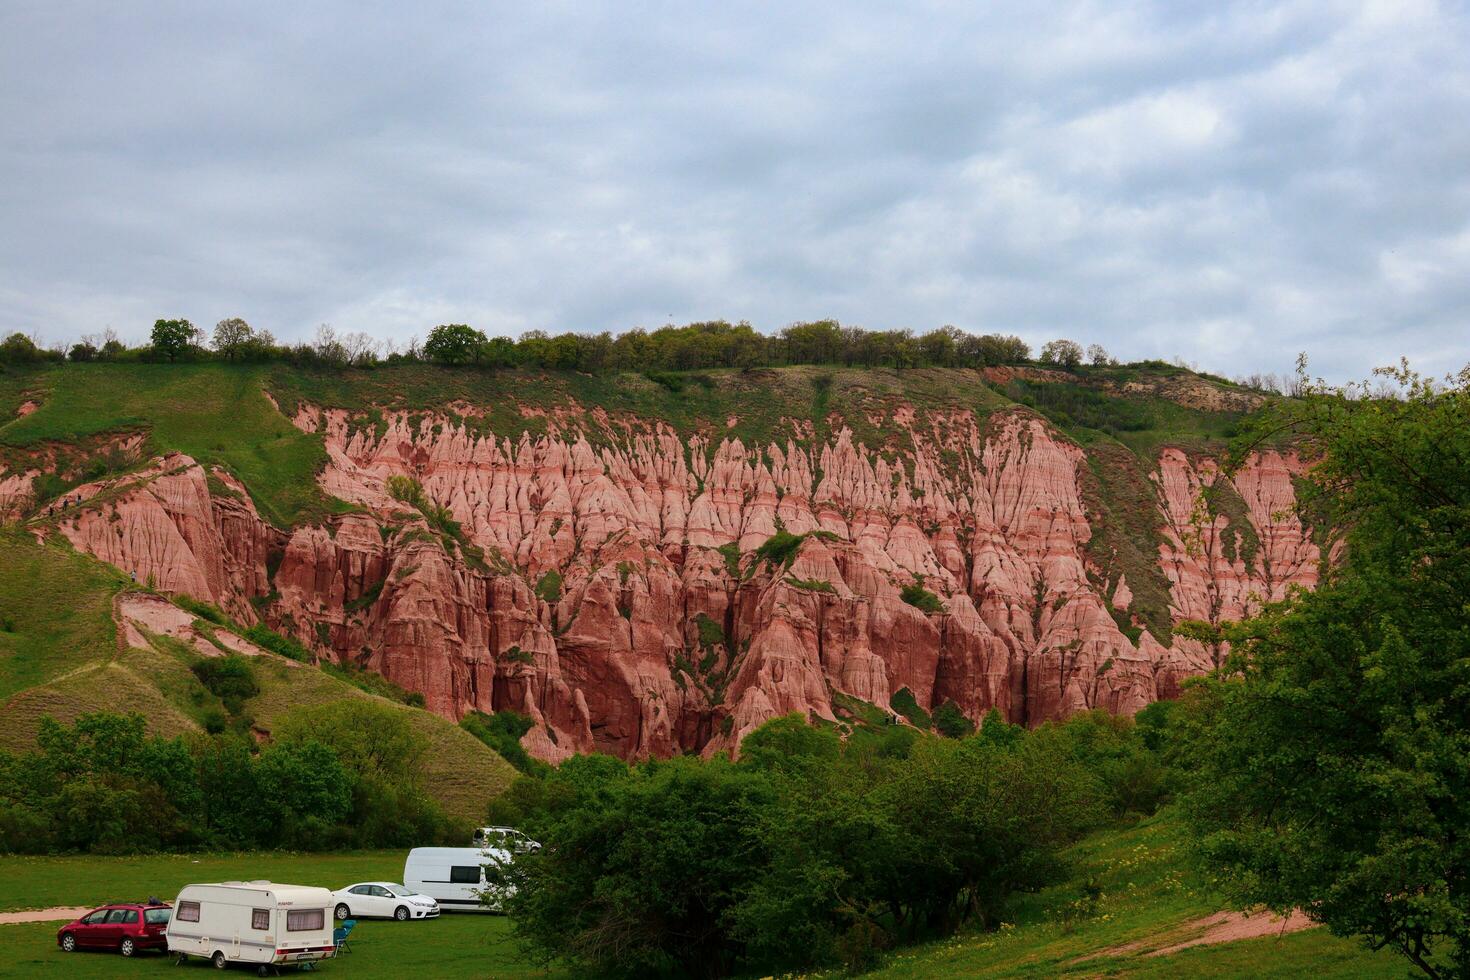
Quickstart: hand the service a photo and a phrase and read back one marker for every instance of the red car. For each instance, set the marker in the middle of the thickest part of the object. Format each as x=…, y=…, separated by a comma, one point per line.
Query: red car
x=126, y=927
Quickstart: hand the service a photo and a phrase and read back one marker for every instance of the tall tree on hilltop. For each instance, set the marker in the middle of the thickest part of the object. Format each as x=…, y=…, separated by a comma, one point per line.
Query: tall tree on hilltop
x=174, y=337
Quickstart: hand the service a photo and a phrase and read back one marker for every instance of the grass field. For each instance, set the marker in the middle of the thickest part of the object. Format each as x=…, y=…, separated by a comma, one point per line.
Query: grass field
x=1150, y=899
x=452, y=946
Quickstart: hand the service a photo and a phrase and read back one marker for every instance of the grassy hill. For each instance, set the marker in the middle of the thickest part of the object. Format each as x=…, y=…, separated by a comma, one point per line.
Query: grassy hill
x=1149, y=899
x=59, y=656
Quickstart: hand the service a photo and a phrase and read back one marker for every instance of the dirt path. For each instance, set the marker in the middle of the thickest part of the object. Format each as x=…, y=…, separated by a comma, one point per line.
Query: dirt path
x=1227, y=927
x=59, y=914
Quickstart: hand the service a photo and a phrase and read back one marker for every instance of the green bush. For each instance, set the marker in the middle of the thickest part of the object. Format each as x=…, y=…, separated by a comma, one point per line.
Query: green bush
x=903, y=702
x=203, y=610
x=268, y=639
x=229, y=678
x=548, y=587
x=951, y=722
x=921, y=598
x=502, y=731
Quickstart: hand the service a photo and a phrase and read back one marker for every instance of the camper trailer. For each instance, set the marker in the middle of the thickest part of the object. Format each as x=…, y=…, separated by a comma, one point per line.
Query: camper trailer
x=259, y=923
x=457, y=877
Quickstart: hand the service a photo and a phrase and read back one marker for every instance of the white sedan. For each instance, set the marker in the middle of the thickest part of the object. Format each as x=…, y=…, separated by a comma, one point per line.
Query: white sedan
x=383, y=900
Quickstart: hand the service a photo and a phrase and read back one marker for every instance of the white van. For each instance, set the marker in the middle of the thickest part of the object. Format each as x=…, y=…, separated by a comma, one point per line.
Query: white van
x=456, y=877
x=252, y=922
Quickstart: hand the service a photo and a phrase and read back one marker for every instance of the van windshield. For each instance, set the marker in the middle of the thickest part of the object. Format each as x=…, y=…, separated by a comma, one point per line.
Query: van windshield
x=156, y=917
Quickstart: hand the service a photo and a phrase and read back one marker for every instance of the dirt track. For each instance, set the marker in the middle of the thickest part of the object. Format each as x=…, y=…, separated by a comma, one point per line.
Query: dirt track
x=59, y=914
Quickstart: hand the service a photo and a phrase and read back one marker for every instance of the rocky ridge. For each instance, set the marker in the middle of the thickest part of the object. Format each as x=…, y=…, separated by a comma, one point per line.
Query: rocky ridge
x=609, y=578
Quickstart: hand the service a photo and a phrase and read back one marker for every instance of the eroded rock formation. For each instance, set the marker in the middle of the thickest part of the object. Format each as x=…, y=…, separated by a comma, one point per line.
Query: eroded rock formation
x=608, y=580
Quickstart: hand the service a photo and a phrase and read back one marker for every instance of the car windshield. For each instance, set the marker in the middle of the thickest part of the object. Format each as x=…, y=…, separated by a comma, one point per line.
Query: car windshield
x=156, y=917
x=398, y=890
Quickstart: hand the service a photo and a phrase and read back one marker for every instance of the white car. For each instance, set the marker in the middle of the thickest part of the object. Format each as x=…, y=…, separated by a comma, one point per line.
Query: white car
x=383, y=900
x=505, y=838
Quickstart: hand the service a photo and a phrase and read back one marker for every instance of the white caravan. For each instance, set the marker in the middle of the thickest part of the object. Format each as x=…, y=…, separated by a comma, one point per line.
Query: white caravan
x=252, y=922
x=456, y=877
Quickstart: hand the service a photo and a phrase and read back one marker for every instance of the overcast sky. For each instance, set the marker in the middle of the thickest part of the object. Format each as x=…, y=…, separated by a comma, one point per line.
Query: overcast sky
x=1229, y=183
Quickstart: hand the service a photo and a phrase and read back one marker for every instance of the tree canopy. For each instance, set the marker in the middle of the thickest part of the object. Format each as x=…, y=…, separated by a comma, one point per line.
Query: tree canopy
x=1331, y=757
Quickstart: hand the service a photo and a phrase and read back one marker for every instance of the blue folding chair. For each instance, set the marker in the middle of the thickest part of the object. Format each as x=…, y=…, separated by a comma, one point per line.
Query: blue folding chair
x=340, y=934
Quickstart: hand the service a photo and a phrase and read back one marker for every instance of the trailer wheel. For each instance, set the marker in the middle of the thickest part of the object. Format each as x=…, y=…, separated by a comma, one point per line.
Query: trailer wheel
x=401, y=913
x=343, y=912
x=219, y=959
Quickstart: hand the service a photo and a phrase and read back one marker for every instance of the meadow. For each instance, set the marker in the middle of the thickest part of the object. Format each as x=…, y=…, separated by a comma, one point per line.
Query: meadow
x=1148, y=897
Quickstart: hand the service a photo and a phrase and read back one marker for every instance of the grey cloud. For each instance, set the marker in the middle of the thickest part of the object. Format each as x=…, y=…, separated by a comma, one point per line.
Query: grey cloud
x=1230, y=183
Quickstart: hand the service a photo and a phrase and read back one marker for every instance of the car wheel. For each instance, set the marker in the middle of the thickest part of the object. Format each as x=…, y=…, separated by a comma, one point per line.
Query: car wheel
x=127, y=948
x=219, y=959
x=343, y=912
x=69, y=943
x=401, y=914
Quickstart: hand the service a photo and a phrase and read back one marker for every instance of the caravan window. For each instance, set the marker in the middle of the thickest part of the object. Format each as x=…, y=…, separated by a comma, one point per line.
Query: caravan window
x=260, y=919
x=187, y=912
x=464, y=875
x=302, y=920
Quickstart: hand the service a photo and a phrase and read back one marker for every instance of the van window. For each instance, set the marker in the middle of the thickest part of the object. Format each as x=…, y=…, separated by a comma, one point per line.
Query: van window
x=129, y=917
x=302, y=920
x=465, y=875
x=187, y=912
x=116, y=916
x=260, y=919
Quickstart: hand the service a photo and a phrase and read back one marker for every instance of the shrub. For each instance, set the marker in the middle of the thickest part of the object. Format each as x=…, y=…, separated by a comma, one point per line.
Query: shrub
x=904, y=703
x=229, y=678
x=951, y=722
x=921, y=598
x=548, y=587
x=502, y=731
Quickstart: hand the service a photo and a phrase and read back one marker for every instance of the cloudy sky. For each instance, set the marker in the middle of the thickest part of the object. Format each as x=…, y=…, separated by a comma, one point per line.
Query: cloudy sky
x=1229, y=183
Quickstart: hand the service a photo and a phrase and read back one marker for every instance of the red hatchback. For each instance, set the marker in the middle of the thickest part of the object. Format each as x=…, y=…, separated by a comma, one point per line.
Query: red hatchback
x=125, y=927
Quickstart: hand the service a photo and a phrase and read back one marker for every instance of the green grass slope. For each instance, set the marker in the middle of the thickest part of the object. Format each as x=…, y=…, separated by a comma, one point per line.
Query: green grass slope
x=59, y=656
x=214, y=412
x=1151, y=898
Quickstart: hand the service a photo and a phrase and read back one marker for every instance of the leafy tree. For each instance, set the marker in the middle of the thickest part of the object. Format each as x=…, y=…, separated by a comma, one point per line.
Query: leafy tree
x=789, y=743
x=1331, y=757
x=233, y=337
x=229, y=678
x=642, y=881
x=82, y=353
x=454, y=343
x=1097, y=355
x=19, y=349
x=368, y=737
x=172, y=338
x=303, y=779
x=1062, y=353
